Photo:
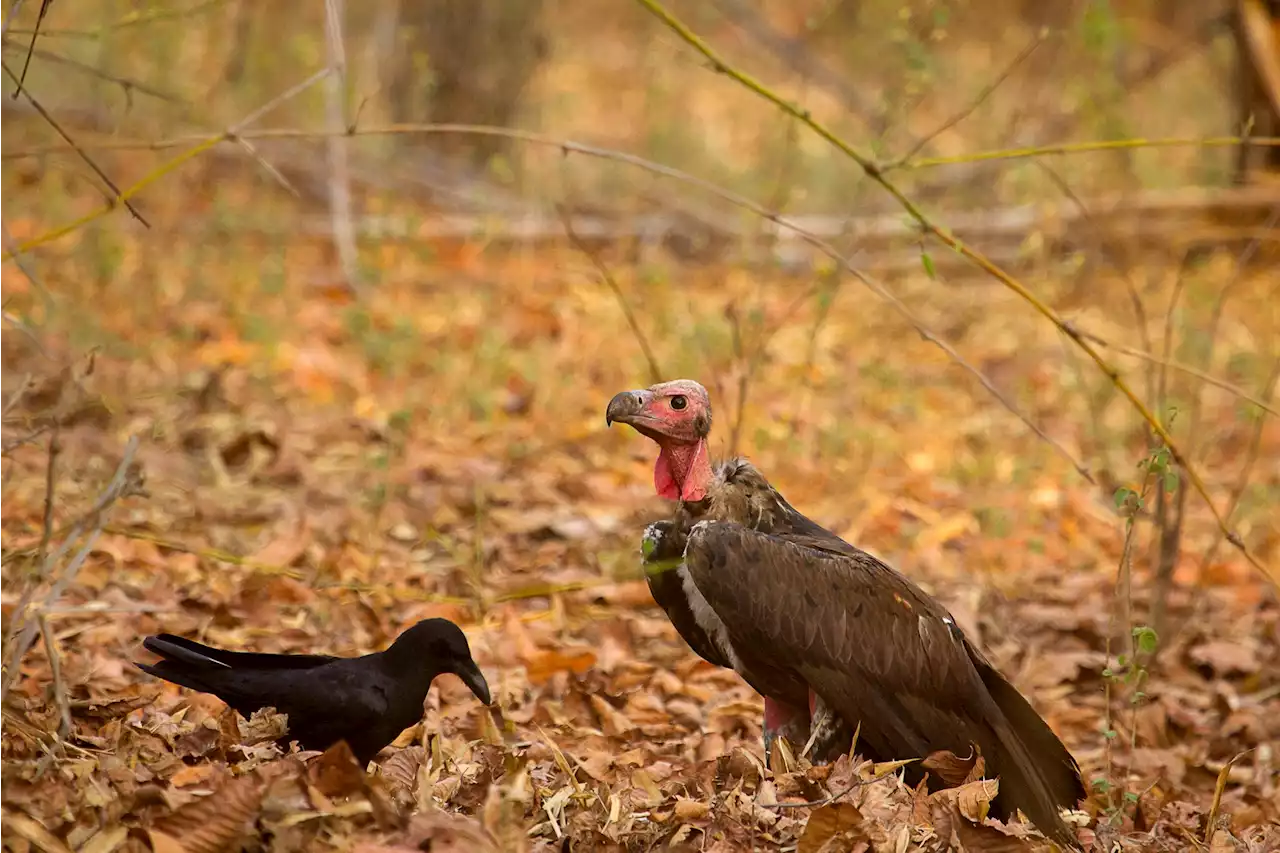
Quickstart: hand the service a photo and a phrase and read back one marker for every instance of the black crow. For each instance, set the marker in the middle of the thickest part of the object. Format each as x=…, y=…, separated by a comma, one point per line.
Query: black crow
x=366, y=701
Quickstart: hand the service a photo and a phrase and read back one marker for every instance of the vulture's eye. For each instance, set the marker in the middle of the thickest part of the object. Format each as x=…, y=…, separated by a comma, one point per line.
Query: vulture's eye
x=678, y=402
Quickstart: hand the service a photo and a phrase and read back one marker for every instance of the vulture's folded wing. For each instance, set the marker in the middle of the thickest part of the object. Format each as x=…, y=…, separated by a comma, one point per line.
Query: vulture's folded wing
x=882, y=654
x=865, y=639
x=663, y=548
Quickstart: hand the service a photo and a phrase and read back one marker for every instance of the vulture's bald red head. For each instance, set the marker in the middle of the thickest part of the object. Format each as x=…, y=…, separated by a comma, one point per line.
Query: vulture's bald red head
x=675, y=415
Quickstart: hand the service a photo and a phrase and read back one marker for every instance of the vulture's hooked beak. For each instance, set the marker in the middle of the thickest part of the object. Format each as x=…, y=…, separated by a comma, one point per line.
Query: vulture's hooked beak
x=628, y=407
x=474, y=679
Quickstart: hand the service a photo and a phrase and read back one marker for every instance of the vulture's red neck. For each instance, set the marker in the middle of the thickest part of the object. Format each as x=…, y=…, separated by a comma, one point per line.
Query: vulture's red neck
x=683, y=470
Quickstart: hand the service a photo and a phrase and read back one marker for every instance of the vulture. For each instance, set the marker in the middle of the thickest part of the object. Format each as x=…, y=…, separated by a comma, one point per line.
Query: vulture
x=834, y=639
x=366, y=701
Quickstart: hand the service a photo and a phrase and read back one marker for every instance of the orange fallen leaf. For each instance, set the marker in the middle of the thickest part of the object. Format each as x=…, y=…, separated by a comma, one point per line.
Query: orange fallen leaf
x=546, y=663
x=191, y=775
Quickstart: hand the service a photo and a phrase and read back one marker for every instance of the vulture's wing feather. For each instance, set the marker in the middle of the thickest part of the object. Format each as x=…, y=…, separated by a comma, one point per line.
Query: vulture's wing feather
x=884, y=655
x=663, y=547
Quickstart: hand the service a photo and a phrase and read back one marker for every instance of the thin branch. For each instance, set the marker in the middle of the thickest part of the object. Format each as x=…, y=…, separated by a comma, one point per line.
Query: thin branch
x=986, y=92
x=26, y=330
x=230, y=135
x=131, y=20
x=35, y=33
x=744, y=375
x=1246, y=470
x=1219, y=306
x=50, y=488
x=1181, y=367
x=928, y=226
x=8, y=19
x=655, y=373
x=27, y=624
x=1121, y=266
x=127, y=84
x=344, y=233
x=410, y=129
x=60, y=696
x=111, y=185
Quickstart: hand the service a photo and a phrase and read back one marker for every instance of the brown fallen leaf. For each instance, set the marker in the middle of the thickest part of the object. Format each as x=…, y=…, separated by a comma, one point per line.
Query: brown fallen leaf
x=218, y=822
x=687, y=809
x=953, y=769
x=34, y=832
x=964, y=835
x=612, y=721
x=1225, y=657
x=974, y=798
x=336, y=773
x=839, y=824
x=401, y=769
x=105, y=840
x=265, y=725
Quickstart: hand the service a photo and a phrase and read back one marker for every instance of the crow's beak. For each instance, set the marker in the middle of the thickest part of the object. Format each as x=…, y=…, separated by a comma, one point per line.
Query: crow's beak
x=474, y=679
x=624, y=407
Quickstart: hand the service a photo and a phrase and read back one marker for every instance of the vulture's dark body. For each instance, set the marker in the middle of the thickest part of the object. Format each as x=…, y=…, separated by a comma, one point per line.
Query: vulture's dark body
x=798, y=608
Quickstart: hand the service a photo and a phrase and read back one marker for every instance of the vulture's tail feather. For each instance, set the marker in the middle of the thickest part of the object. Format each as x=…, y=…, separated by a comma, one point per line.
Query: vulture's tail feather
x=1037, y=773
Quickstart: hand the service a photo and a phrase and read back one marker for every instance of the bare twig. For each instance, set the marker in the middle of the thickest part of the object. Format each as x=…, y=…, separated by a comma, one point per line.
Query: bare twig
x=1246, y=470
x=655, y=372
x=344, y=234
x=50, y=486
x=25, y=627
x=1169, y=515
x=60, y=696
x=35, y=33
x=413, y=128
x=744, y=375
x=26, y=330
x=133, y=19
x=1181, y=367
x=944, y=235
x=8, y=19
x=231, y=134
x=1219, y=306
x=97, y=170
x=129, y=85
x=986, y=92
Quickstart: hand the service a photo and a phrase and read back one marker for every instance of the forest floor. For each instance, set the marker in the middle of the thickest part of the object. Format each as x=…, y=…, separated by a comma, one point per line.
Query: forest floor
x=319, y=474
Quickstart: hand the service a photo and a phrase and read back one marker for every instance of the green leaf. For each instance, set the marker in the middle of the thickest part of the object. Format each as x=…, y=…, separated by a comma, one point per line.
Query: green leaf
x=1122, y=496
x=1145, y=639
x=1102, y=784
x=927, y=261
x=1170, y=481
x=648, y=546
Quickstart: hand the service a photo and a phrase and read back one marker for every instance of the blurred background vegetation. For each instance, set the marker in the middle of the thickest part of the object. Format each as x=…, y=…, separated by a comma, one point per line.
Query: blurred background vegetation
x=884, y=74
x=341, y=184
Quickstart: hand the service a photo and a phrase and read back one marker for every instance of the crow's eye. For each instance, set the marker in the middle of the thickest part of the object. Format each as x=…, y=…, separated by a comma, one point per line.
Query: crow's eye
x=678, y=402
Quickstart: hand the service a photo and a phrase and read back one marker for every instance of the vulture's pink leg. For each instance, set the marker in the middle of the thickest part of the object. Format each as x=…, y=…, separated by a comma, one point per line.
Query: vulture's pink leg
x=783, y=720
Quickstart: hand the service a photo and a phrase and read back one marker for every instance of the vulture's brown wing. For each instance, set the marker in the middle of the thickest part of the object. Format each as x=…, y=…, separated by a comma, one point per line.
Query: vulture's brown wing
x=885, y=656
x=663, y=548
